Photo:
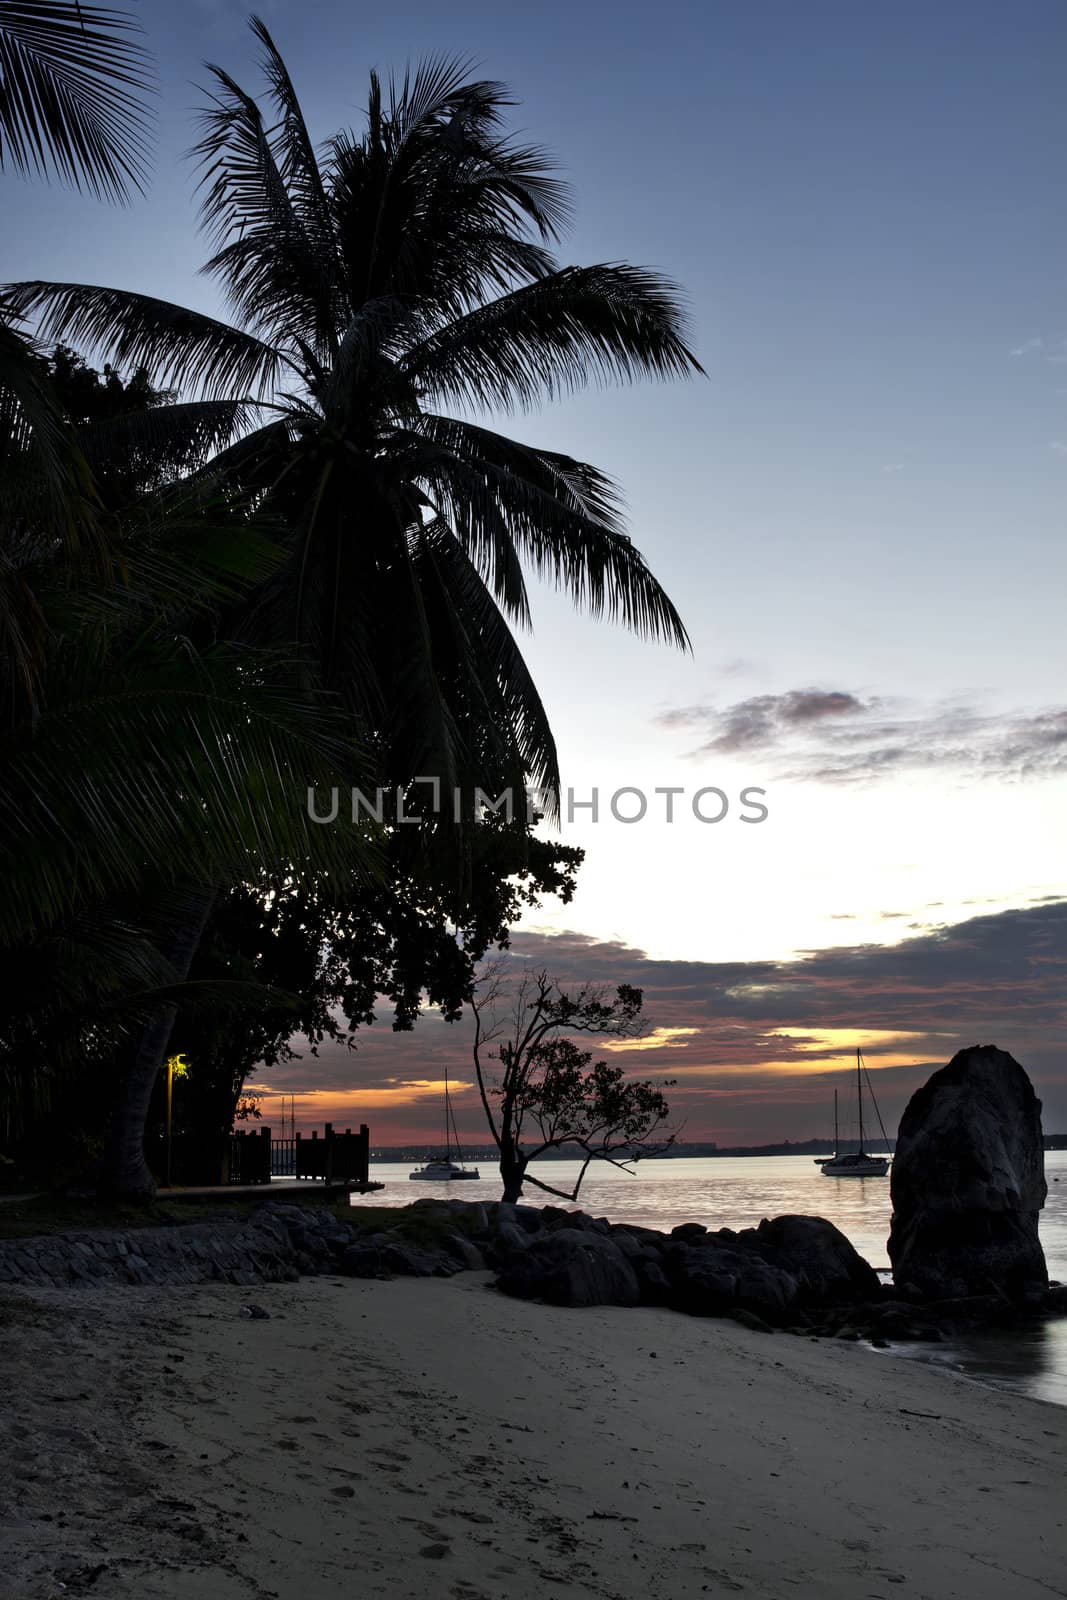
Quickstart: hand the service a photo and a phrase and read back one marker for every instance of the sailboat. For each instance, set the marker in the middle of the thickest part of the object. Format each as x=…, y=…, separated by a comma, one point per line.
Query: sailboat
x=855, y=1164
x=442, y=1169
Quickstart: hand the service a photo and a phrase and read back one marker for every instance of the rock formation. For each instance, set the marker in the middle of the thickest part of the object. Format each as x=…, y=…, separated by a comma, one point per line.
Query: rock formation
x=968, y=1182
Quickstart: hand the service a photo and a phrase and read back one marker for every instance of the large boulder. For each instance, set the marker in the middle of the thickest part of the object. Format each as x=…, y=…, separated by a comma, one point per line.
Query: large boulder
x=709, y=1279
x=571, y=1267
x=383, y=1255
x=968, y=1182
x=825, y=1264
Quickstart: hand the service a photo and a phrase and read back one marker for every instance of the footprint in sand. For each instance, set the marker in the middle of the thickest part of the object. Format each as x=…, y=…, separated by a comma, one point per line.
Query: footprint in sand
x=429, y=1530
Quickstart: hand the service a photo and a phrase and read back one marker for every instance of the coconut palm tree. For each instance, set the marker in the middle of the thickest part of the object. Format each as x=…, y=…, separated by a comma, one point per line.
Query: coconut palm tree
x=375, y=285
x=387, y=293
x=72, y=84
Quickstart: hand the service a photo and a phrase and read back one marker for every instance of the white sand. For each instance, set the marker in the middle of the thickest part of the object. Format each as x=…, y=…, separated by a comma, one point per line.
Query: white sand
x=432, y=1438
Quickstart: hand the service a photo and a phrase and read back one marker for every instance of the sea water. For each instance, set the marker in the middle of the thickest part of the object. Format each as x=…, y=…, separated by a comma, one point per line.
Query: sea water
x=737, y=1192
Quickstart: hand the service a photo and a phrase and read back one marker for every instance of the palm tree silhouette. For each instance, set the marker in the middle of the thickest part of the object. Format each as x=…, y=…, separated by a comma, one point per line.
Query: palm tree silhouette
x=386, y=292
x=399, y=274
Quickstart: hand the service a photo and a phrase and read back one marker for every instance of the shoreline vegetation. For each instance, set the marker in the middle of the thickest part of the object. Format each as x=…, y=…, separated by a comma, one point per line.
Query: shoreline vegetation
x=366, y=1437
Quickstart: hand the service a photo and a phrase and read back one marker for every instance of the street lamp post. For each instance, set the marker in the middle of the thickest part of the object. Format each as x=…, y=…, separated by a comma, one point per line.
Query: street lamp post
x=176, y=1068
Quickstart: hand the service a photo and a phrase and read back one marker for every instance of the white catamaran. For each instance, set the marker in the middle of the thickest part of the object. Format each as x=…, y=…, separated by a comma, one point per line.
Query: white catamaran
x=855, y=1164
x=442, y=1169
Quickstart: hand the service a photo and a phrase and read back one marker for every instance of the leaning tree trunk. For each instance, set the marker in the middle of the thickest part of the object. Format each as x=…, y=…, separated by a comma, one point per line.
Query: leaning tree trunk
x=124, y=1171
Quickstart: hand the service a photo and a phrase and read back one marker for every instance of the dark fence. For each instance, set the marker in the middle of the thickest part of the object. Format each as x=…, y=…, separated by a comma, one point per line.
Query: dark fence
x=335, y=1158
x=250, y=1160
x=252, y=1156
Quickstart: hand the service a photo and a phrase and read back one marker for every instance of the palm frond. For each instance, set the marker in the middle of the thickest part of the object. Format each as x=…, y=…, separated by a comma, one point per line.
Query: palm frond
x=256, y=461
x=600, y=323
x=507, y=500
x=46, y=477
x=420, y=726
x=158, y=443
x=187, y=771
x=295, y=152
x=443, y=111
x=276, y=274
x=503, y=702
x=48, y=502
x=183, y=552
x=72, y=86
x=434, y=206
x=428, y=94
x=172, y=344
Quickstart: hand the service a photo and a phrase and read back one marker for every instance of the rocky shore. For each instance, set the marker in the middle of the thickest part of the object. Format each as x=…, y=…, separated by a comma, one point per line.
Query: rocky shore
x=794, y=1274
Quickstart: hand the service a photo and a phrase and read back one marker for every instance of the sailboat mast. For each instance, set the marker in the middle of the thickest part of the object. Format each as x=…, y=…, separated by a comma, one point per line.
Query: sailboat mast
x=837, y=1136
x=448, y=1132
x=859, y=1096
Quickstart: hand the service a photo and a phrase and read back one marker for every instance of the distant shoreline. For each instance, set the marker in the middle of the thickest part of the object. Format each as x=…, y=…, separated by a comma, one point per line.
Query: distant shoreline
x=809, y=1147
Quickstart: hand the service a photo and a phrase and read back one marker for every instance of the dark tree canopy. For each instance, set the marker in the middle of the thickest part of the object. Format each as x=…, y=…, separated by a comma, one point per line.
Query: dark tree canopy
x=335, y=963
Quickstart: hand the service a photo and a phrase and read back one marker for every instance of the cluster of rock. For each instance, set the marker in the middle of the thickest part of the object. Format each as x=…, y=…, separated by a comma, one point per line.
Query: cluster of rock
x=799, y=1274
x=794, y=1273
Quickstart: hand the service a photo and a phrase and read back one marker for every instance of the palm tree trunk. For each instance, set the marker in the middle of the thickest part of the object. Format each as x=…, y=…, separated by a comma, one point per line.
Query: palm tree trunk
x=124, y=1172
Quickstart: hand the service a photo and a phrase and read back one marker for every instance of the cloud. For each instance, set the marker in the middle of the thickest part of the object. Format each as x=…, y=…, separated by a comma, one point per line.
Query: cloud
x=658, y=1039
x=763, y=720
x=836, y=736
x=1051, y=351
x=751, y=1044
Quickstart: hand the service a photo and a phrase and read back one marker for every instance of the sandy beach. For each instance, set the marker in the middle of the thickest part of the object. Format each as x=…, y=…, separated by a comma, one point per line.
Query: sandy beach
x=391, y=1439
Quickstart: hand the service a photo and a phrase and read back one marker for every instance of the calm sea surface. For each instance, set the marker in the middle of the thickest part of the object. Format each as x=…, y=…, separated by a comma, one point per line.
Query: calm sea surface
x=737, y=1192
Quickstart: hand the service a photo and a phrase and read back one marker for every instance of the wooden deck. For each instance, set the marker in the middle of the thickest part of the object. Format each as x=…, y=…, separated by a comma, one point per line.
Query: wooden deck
x=277, y=1190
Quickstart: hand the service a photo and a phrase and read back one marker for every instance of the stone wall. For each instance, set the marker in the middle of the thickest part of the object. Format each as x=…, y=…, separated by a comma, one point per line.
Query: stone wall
x=199, y=1252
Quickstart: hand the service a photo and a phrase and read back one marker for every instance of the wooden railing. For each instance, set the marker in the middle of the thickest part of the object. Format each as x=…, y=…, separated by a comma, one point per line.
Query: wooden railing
x=250, y=1156
x=335, y=1158
x=253, y=1156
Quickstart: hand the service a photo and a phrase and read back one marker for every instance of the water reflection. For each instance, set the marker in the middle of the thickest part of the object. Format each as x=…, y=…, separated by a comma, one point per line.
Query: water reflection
x=1031, y=1361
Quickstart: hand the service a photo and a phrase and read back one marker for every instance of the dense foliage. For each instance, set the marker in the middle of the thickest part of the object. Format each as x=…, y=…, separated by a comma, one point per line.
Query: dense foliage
x=280, y=553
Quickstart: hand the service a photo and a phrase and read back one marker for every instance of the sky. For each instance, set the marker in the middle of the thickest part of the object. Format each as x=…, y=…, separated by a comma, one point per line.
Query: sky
x=859, y=512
